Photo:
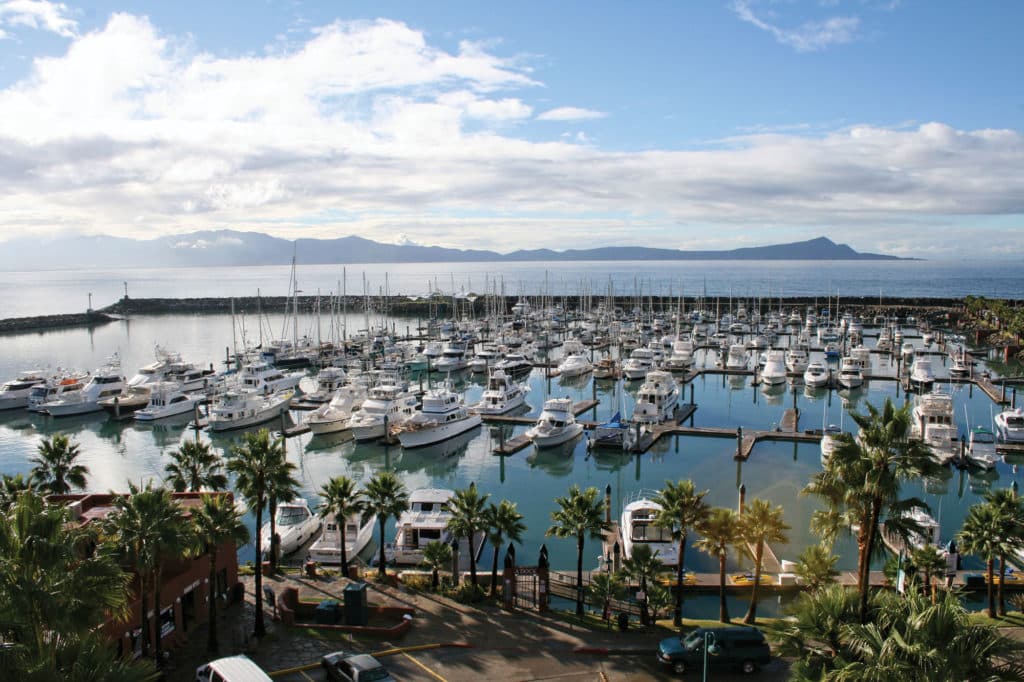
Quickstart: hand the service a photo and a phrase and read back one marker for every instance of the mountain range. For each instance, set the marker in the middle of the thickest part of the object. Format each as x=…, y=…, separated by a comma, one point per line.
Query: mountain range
x=229, y=247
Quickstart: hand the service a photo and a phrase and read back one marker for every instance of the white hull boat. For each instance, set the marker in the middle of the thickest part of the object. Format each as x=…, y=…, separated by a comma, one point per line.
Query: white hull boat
x=443, y=416
x=296, y=525
x=167, y=400
x=1010, y=425
x=358, y=533
x=555, y=425
x=240, y=409
x=638, y=528
x=502, y=394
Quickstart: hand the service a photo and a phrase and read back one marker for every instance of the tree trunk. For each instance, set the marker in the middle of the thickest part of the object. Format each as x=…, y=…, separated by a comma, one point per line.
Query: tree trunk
x=645, y=615
x=273, y=534
x=579, y=575
x=751, y=616
x=991, y=594
x=158, y=626
x=472, y=560
x=211, y=639
x=260, y=628
x=865, y=579
x=144, y=598
x=434, y=579
x=494, y=571
x=677, y=615
x=999, y=594
x=380, y=563
x=723, y=608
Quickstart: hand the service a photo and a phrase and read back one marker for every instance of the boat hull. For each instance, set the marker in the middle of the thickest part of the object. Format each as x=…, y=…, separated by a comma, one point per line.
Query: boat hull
x=435, y=434
x=543, y=440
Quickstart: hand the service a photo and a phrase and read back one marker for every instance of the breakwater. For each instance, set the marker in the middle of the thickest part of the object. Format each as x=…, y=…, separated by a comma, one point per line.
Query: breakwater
x=42, y=323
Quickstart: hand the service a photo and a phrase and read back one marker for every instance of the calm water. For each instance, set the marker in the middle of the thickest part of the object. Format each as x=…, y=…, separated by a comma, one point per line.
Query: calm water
x=118, y=452
x=39, y=293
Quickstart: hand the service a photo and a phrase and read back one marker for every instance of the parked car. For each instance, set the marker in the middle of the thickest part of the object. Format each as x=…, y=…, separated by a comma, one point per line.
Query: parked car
x=349, y=666
x=231, y=669
x=728, y=647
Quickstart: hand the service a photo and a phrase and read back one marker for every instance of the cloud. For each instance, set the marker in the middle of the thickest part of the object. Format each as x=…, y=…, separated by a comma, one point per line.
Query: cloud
x=570, y=114
x=39, y=15
x=809, y=36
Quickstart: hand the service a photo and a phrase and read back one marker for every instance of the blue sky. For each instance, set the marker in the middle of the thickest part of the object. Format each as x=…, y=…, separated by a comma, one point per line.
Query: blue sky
x=892, y=126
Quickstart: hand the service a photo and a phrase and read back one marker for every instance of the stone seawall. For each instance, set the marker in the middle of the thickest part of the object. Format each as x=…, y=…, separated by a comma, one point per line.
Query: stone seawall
x=18, y=325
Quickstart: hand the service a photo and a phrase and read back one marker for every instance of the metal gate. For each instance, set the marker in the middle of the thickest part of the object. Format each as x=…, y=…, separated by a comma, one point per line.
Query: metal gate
x=526, y=587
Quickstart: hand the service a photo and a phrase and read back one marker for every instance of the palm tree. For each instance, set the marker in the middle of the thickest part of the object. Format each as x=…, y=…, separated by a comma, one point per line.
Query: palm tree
x=216, y=523
x=195, y=467
x=980, y=535
x=814, y=631
x=341, y=499
x=10, y=488
x=720, y=531
x=816, y=567
x=254, y=463
x=579, y=514
x=682, y=509
x=641, y=566
x=55, y=470
x=929, y=560
x=603, y=588
x=760, y=523
x=436, y=555
x=1010, y=512
x=386, y=496
x=468, y=509
x=503, y=522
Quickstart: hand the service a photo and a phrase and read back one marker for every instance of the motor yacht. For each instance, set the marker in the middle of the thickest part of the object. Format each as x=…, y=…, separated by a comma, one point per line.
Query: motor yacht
x=166, y=399
x=850, y=375
x=106, y=382
x=907, y=354
x=386, y=405
x=639, y=362
x=328, y=381
x=501, y=395
x=922, y=378
x=260, y=377
x=930, y=409
x=574, y=365
x=240, y=409
x=334, y=416
x=638, y=528
x=453, y=358
x=555, y=425
x=943, y=441
x=981, y=448
x=14, y=393
x=54, y=388
x=797, y=360
x=443, y=416
x=514, y=364
x=424, y=522
x=959, y=369
x=657, y=399
x=884, y=343
x=737, y=358
x=829, y=442
x=295, y=524
x=358, y=533
x=1010, y=425
x=774, y=371
x=485, y=358
x=929, y=534
x=816, y=375
x=681, y=358
x=607, y=368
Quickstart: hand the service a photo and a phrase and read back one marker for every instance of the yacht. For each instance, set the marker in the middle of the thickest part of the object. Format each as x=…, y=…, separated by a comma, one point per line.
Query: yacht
x=514, y=363
x=358, y=533
x=960, y=369
x=259, y=377
x=334, y=416
x=386, y=405
x=295, y=524
x=1010, y=425
x=850, y=375
x=907, y=354
x=485, y=358
x=574, y=365
x=640, y=361
x=106, y=382
x=657, y=399
x=424, y=522
x=166, y=399
x=443, y=416
x=797, y=360
x=453, y=358
x=737, y=358
x=921, y=375
x=829, y=442
x=607, y=368
x=681, y=358
x=14, y=393
x=944, y=442
x=328, y=381
x=555, y=425
x=637, y=521
x=501, y=395
x=981, y=448
x=54, y=388
x=774, y=371
x=884, y=343
x=816, y=376
x=240, y=409
x=930, y=409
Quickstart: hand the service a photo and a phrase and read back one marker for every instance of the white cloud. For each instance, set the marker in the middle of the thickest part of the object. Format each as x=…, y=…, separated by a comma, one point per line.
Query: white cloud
x=809, y=36
x=570, y=114
x=39, y=15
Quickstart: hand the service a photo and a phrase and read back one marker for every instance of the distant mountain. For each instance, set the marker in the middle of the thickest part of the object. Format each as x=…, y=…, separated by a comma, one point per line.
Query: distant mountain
x=228, y=247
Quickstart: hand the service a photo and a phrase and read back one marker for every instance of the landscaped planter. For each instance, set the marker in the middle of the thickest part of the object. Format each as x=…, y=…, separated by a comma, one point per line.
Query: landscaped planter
x=391, y=621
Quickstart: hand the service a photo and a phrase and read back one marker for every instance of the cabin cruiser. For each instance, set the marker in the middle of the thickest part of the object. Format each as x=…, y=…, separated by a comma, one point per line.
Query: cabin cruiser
x=453, y=358
x=607, y=368
x=797, y=360
x=638, y=528
x=774, y=371
x=884, y=343
x=921, y=375
x=385, y=405
x=960, y=369
x=54, y=388
x=501, y=395
x=850, y=375
x=514, y=363
x=930, y=409
x=106, y=382
x=358, y=533
x=681, y=358
x=424, y=522
x=907, y=354
x=555, y=425
x=829, y=442
x=574, y=365
x=328, y=381
x=259, y=377
x=240, y=409
x=613, y=433
x=443, y=416
x=295, y=524
x=485, y=358
x=334, y=416
x=166, y=399
x=737, y=358
x=657, y=399
x=14, y=393
x=1010, y=425
x=943, y=441
x=981, y=448
x=639, y=362
x=816, y=376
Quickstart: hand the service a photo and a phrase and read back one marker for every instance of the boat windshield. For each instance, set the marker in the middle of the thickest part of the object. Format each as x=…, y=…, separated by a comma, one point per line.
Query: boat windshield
x=290, y=516
x=645, y=532
x=983, y=437
x=1015, y=422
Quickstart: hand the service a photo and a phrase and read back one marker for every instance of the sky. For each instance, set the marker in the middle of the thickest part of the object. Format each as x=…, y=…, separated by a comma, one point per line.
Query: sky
x=894, y=126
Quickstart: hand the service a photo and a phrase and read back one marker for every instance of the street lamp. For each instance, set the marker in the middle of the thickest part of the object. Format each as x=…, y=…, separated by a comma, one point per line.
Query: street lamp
x=709, y=642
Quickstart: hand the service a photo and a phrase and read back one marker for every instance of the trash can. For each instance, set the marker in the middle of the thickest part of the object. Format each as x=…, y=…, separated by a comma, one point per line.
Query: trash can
x=328, y=612
x=356, y=609
x=623, y=619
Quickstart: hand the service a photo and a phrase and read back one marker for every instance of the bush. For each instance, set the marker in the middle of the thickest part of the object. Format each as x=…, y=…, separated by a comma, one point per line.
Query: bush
x=417, y=582
x=467, y=593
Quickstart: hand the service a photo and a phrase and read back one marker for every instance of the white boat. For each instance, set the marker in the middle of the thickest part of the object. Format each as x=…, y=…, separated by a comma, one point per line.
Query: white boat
x=862, y=355
x=943, y=441
x=850, y=375
x=884, y=343
x=54, y=388
x=386, y=405
x=1010, y=425
x=295, y=525
x=829, y=442
x=501, y=395
x=797, y=360
x=334, y=416
x=639, y=363
x=981, y=448
x=358, y=533
x=682, y=355
x=816, y=375
x=14, y=393
x=166, y=399
x=443, y=416
x=929, y=534
x=453, y=358
x=574, y=365
x=930, y=409
x=106, y=382
x=657, y=399
x=485, y=358
x=907, y=354
x=514, y=363
x=921, y=375
x=737, y=358
x=774, y=371
x=637, y=521
x=555, y=425
x=328, y=381
x=260, y=377
x=241, y=409
x=959, y=369
x=424, y=522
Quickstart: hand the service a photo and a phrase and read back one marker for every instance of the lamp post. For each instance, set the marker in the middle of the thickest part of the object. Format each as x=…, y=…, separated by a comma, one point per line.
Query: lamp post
x=709, y=641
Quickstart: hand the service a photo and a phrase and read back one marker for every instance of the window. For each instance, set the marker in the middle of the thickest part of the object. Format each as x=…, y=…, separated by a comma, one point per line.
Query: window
x=167, y=621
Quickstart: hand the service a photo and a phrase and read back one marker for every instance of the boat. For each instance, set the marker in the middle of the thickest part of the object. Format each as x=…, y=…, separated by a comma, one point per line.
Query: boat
x=54, y=388
x=555, y=425
x=424, y=522
x=485, y=358
x=935, y=408
x=884, y=343
x=929, y=534
x=453, y=358
x=657, y=399
x=442, y=416
x=1010, y=425
x=944, y=442
x=797, y=360
x=501, y=395
x=14, y=393
x=166, y=399
x=639, y=362
x=295, y=525
x=514, y=363
x=907, y=354
x=614, y=433
x=574, y=365
x=681, y=358
x=328, y=381
x=850, y=375
x=106, y=382
x=386, y=405
x=737, y=358
x=774, y=371
x=607, y=368
x=260, y=377
x=921, y=375
x=829, y=442
x=816, y=376
x=832, y=350
x=358, y=533
x=638, y=528
x=959, y=369
x=333, y=417
x=981, y=448
x=240, y=409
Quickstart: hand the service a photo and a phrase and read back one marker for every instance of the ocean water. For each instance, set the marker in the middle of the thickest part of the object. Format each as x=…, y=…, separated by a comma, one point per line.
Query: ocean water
x=64, y=291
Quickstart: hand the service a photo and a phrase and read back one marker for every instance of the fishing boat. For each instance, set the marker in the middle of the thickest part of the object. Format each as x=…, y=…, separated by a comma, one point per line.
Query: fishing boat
x=555, y=425
x=501, y=395
x=574, y=365
x=240, y=409
x=638, y=528
x=816, y=376
x=54, y=388
x=639, y=363
x=358, y=533
x=797, y=360
x=657, y=399
x=260, y=377
x=385, y=405
x=442, y=416
x=295, y=524
x=166, y=399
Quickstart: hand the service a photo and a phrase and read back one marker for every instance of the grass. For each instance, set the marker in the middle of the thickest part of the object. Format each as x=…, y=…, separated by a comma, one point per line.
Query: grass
x=593, y=621
x=1012, y=619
